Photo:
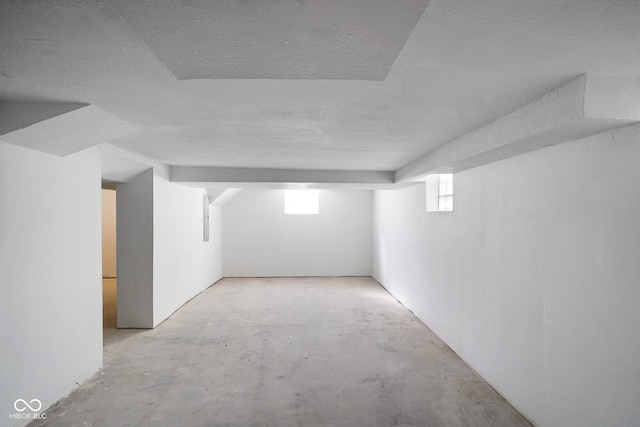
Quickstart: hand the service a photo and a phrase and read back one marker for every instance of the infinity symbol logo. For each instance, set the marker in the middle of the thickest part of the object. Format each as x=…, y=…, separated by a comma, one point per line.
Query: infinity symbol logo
x=21, y=405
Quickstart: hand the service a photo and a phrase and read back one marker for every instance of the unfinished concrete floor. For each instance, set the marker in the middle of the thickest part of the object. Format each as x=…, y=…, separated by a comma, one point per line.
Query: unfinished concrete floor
x=284, y=352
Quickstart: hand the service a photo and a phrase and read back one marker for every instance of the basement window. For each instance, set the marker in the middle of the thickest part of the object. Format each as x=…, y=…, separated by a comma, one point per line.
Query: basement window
x=301, y=202
x=439, y=189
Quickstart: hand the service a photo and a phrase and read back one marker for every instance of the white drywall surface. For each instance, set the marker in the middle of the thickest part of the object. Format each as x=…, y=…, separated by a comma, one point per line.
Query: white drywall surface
x=534, y=279
x=50, y=275
x=135, y=251
x=109, y=268
x=162, y=259
x=183, y=263
x=259, y=239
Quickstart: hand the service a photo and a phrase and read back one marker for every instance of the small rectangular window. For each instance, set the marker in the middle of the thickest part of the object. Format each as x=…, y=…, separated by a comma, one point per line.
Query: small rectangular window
x=301, y=202
x=445, y=193
x=439, y=188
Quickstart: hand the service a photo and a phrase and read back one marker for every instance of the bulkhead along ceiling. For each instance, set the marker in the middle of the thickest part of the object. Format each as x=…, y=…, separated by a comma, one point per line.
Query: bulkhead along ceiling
x=352, y=85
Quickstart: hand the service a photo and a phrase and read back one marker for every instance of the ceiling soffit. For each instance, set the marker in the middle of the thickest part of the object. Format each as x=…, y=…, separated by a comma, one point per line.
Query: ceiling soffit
x=279, y=39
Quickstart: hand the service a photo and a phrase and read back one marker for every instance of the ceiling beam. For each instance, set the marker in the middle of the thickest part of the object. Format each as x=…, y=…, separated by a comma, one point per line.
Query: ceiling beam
x=207, y=176
x=585, y=106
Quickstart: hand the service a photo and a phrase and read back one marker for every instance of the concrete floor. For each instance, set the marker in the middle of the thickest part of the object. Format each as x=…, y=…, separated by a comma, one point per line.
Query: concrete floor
x=284, y=352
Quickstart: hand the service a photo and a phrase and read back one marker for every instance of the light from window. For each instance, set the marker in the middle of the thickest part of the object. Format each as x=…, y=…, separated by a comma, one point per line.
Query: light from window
x=439, y=189
x=301, y=202
x=445, y=192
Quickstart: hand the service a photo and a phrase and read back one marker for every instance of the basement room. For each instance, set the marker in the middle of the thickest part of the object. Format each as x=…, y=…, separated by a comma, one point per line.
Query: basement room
x=320, y=213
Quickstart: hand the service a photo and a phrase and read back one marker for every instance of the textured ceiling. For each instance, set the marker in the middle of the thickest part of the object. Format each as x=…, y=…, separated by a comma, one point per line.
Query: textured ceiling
x=360, y=85
x=276, y=39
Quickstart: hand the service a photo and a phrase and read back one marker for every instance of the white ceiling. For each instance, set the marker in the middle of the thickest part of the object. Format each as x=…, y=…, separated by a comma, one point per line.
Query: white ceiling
x=276, y=39
x=301, y=84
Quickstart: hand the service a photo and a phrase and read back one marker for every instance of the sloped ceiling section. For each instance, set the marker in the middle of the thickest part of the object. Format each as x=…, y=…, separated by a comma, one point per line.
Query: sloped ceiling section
x=69, y=132
x=16, y=115
x=276, y=39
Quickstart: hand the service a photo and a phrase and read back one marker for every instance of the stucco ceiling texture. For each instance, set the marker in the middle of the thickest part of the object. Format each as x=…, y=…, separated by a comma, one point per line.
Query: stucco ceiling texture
x=276, y=39
x=304, y=84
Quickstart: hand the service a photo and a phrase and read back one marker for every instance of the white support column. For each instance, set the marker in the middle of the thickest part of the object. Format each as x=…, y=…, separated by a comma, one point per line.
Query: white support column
x=135, y=252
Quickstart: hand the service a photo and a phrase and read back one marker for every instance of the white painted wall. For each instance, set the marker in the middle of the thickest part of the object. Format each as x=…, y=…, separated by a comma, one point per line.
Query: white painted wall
x=260, y=240
x=50, y=274
x=184, y=265
x=163, y=261
x=534, y=280
x=135, y=251
x=109, y=268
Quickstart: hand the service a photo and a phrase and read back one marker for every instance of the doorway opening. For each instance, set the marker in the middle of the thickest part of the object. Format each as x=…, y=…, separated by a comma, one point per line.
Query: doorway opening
x=109, y=265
